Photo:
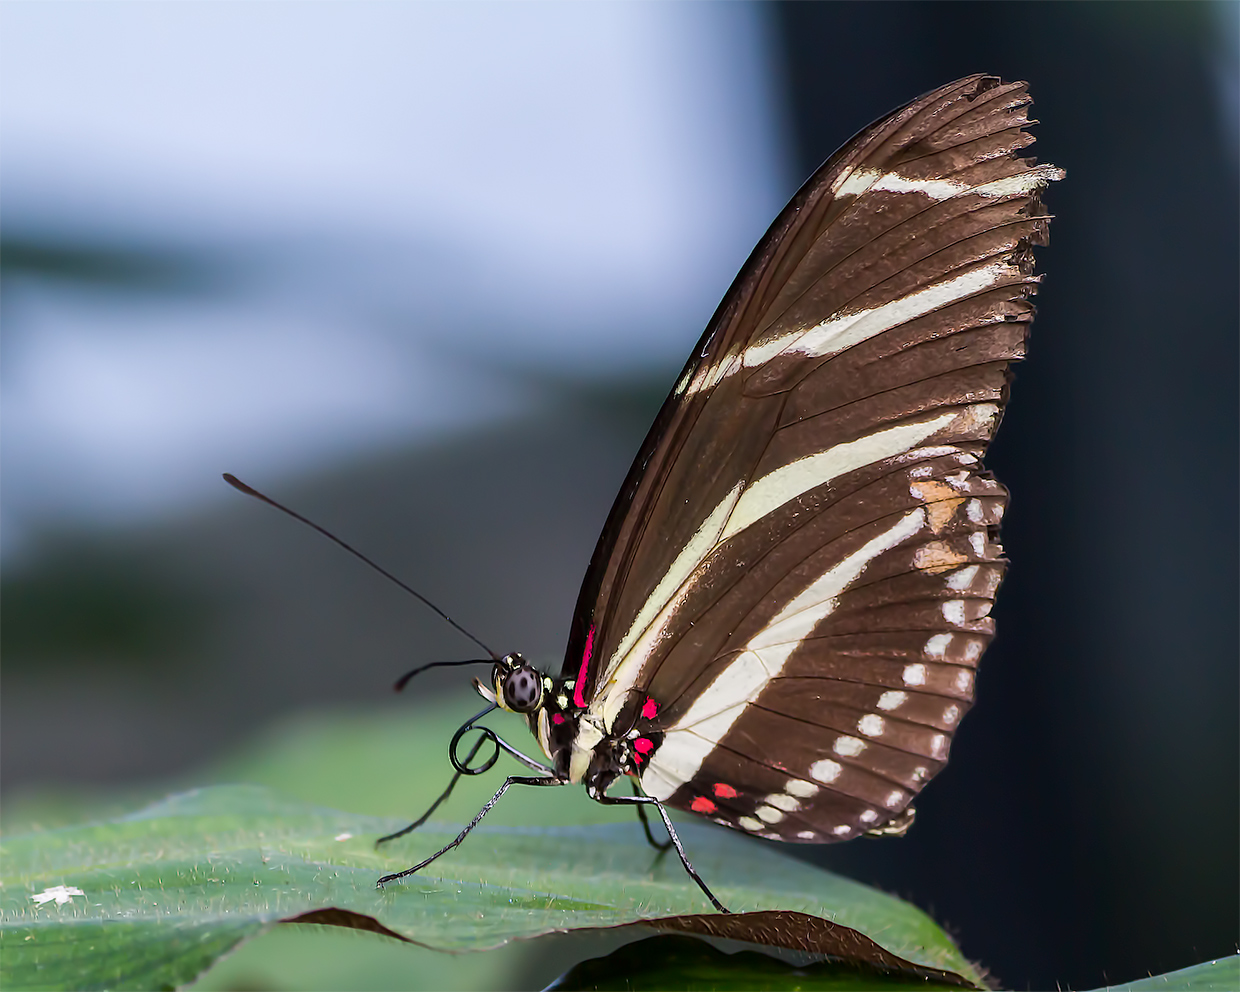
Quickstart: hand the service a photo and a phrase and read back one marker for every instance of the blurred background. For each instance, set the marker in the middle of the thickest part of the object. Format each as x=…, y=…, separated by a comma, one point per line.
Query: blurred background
x=425, y=271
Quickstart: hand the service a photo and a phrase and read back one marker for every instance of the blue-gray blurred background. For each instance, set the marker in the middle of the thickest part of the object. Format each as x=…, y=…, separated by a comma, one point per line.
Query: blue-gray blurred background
x=425, y=271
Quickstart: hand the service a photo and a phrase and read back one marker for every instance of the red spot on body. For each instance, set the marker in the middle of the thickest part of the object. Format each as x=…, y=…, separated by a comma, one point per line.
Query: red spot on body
x=557, y=717
x=643, y=745
x=702, y=805
x=650, y=709
x=724, y=791
x=579, y=690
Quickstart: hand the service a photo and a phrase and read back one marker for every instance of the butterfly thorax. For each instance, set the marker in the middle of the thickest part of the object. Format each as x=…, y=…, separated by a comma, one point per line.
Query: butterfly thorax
x=581, y=750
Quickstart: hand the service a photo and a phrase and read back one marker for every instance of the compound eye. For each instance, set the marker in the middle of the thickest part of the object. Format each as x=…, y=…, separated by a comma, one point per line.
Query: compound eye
x=522, y=690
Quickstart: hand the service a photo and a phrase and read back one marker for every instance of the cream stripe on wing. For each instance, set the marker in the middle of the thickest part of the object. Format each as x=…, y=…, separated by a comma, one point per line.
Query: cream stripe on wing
x=656, y=613
x=799, y=477
x=736, y=512
x=691, y=556
x=691, y=739
x=863, y=180
x=842, y=331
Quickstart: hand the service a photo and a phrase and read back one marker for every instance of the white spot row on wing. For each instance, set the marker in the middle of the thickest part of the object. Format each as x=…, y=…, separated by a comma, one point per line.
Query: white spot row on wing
x=687, y=744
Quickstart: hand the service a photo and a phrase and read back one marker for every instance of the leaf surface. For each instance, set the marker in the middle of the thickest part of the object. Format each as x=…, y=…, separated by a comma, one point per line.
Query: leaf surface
x=1219, y=975
x=166, y=890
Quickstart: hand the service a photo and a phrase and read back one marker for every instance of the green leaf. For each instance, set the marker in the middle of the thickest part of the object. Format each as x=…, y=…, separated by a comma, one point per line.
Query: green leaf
x=115, y=953
x=683, y=963
x=166, y=890
x=333, y=959
x=1220, y=975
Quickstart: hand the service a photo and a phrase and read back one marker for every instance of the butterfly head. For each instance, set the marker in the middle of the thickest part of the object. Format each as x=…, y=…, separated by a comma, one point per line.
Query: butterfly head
x=519, y=686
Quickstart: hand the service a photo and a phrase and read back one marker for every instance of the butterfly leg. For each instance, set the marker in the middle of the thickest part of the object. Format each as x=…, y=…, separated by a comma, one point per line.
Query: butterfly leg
x=510, y=781
x=640, y=801
x=436, y=804
x=661, y=846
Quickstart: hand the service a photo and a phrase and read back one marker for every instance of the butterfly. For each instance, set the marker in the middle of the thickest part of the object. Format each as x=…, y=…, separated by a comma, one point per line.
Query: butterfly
x=781, y=623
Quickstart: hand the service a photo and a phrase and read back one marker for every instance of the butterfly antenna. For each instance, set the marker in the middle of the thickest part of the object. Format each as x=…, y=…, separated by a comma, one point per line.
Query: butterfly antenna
x=400, y=682
x=240, y=486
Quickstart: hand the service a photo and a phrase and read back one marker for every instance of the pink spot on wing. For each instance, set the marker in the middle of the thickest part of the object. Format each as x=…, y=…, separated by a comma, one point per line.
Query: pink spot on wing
x=557, y=717
x=650, y=709
x=724, y=791
x=702, y=805
x=642, y=745
x=579, y=690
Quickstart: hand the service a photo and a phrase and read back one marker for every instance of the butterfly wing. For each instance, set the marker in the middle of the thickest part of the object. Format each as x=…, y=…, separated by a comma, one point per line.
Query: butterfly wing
x=799, y=567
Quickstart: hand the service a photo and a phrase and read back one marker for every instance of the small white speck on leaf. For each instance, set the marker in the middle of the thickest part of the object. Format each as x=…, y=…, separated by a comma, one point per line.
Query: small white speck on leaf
x=344, y=836
x=61, y=893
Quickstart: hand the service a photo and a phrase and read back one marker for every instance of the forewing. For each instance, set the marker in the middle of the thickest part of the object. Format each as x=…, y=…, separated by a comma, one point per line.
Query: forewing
x=799, y=567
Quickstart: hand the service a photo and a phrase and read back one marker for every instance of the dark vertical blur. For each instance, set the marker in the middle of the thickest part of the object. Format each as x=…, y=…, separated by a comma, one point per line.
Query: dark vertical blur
x=1086, y=830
